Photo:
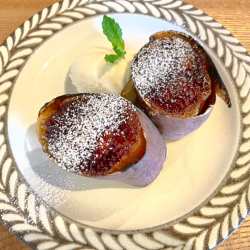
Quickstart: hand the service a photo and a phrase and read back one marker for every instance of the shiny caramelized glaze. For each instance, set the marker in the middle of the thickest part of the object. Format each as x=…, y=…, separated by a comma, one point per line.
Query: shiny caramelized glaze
x=171, y=75
x=94, y=135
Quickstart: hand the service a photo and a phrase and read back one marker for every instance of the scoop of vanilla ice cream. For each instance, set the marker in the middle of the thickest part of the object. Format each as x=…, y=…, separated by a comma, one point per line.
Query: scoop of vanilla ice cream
x=90, y=73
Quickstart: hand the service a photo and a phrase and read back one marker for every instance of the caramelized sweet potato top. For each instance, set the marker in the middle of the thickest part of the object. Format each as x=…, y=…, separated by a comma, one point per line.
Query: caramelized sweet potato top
x=94, y=134
x=171, y=75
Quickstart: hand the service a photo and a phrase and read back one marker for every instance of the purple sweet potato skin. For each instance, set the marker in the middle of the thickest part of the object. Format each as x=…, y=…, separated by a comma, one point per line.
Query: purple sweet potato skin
x=174, y=129
x=142, y=173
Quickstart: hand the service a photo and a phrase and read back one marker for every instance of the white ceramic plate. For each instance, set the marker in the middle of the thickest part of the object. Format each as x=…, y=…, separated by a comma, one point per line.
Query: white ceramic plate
x=201, y=195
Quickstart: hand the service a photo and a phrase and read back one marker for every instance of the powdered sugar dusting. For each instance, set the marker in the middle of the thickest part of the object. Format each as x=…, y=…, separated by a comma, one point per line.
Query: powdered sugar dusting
x=83, y=125
x=171, y=73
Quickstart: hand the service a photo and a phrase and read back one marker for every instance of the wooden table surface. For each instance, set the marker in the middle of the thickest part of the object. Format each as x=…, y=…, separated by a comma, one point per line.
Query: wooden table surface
x=233, y=15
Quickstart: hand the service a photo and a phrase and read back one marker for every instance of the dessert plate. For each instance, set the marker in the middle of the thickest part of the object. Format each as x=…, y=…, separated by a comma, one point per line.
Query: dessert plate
x=202, y=194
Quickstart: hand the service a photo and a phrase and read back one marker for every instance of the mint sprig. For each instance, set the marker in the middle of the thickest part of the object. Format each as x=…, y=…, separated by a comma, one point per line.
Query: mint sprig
x=113, y=32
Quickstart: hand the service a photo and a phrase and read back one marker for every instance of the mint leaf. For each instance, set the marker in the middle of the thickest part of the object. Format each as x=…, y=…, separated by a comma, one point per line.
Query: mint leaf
x=111, y=58
x=113, y=32
x=118, y=51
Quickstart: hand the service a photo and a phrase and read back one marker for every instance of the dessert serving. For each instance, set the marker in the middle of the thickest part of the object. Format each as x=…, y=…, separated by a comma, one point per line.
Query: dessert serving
x=101, y=136
x=97, y=70
x=105, y=136
x=90, y=73
x=60, y=203
x=176, y=82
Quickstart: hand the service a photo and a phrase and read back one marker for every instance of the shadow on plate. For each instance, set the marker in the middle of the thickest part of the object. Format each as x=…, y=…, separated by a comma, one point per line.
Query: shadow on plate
x=69, y=87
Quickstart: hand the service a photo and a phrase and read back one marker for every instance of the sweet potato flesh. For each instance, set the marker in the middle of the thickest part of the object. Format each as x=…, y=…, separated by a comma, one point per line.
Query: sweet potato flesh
x=171, y=75
x=113, y=148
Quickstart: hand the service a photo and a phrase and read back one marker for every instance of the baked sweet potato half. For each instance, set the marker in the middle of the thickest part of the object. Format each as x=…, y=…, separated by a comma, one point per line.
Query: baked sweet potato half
x=101, y=136
x=176, y=81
